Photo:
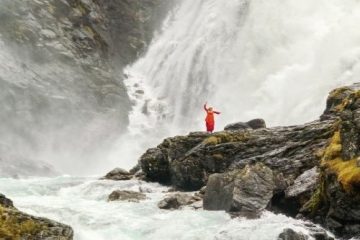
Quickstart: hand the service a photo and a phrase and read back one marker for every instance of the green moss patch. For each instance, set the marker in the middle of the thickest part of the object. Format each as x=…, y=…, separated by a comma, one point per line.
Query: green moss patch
x=14, y=225
x=347, y=172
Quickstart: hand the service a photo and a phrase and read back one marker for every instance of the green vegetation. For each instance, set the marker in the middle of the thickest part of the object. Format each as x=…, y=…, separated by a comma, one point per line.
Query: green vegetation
x=347, y=171
x=15, y=226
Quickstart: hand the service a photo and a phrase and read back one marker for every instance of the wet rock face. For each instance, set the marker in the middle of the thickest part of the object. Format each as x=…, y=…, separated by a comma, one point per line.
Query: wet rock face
x=156, y=162
x=18, y=225
x=129, y=196
x=61, y=74
x=304, y=184
x=131, y=25
x=246, y=191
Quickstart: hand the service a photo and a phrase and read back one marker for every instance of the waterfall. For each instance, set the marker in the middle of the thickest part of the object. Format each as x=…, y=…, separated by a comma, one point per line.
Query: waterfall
x=271, y=59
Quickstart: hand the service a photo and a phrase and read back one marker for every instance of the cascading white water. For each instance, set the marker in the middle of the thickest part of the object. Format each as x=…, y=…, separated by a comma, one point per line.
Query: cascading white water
x=248, y=58
x=270, y=59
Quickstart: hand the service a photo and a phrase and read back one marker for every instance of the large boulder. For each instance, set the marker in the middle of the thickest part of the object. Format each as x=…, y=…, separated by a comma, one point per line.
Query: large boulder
x=247, y=191
x=155, y=162
x=252, y=124
x=124, y=195
x=15, y=224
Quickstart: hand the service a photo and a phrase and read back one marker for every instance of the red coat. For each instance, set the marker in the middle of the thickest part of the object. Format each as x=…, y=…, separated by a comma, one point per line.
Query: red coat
x=210, y=120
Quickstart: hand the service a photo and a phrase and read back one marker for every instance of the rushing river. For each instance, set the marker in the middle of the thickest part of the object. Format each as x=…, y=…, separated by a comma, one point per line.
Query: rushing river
x=82, y=203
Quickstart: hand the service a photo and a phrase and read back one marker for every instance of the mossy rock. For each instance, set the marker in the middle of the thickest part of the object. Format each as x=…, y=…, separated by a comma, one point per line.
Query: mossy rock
x=15, y=226
x=227, y=137
x=347, y=171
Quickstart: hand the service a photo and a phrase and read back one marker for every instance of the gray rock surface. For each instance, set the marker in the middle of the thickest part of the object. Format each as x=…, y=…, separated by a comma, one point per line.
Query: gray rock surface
x=246, y=191
x=124, y=195
x=303, y=184
x=155, y=162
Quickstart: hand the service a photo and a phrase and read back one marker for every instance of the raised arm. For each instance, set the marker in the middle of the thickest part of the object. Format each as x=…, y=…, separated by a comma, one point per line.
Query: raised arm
x=205, y=108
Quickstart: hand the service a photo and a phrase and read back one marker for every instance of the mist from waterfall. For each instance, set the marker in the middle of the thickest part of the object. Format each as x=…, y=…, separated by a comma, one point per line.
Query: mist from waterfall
x=248, y=58
x=59, y=111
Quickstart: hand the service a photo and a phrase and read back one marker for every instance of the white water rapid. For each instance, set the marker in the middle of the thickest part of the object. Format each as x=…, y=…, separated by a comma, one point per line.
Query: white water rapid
x=81, y=203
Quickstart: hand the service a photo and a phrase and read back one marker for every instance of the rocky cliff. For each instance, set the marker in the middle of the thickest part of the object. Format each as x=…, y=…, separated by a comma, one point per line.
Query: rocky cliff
x=61, y=74
x=310, y=170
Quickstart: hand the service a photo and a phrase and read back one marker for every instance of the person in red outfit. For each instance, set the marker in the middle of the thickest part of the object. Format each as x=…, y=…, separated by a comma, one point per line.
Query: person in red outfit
x=209, y=120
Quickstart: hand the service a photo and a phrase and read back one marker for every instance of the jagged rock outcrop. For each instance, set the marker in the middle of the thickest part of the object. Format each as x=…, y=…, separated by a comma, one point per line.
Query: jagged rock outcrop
x=155, y=163
x=247, y=191
x=335, y=203
x=125, y=195
x=15, y=224
x=187, y=161
x=315, y=165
